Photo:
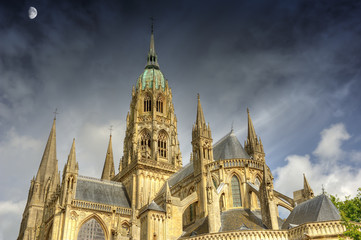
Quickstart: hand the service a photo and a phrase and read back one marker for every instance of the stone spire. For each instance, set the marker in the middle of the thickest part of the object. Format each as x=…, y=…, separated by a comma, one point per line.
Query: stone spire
x=200, y=122
x=48, y=161
x=71, y=164
x=307, y=190
x=108, y=169
x=152, y=59
x=252, y=137
x=253, y=145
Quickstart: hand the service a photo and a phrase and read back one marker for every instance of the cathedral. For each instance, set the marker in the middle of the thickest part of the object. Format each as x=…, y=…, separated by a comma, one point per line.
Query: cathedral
x=225, y=191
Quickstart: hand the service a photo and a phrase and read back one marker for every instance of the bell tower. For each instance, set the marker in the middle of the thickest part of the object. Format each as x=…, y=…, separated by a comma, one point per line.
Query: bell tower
x=151, y=147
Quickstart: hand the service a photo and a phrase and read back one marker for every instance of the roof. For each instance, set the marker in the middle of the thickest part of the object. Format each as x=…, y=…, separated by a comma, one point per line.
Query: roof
x=149, y=75
x=229, y=148
x=231, y=220
x=102, y=191
x=155, y=207
x=181, y=174
x=317, y=209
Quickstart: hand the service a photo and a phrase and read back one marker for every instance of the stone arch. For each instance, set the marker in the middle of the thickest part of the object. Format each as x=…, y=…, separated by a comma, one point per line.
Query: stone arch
x=99, y=221
x=163, y=144
x=147, y=102
x=160, y=103
x=125, y=228
x=145, y=143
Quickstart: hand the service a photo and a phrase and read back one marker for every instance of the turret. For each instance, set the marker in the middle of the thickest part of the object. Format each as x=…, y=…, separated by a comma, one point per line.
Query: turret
x=108, y=169
x=201, y=142
x=253, y=145
x=70, y=175
x=202, y=155
x=42, y=187
x=269, y=208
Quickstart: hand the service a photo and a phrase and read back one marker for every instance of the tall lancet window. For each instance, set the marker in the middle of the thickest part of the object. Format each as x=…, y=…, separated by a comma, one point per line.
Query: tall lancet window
x=162, y=144
x=91, y=230
x=236, y=192
x=145, y=144
x=147, y=104
x=160, y=104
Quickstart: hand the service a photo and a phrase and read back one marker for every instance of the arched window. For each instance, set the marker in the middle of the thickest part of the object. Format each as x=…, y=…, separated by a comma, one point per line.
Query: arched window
x=147, y=104
x=159, y=105
x=236, y=192
x=162, y=145
x=145, y=146
x=257, y=183
x=91, y=230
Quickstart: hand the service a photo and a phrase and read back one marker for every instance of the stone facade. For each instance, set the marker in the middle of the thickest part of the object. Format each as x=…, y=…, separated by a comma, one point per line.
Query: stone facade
x=225, y=192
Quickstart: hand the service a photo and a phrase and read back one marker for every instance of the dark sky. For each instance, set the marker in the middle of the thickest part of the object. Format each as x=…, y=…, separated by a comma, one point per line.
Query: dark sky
x=295, y=64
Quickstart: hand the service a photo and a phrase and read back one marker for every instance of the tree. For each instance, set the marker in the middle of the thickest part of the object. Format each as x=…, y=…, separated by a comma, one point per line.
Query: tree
x=350, y=211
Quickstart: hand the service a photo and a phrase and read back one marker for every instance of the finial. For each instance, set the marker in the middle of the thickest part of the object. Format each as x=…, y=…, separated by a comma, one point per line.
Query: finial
x=323, y=189
x=232, y=126
x=247, y=110
x=152, y=24
x=55, y=113
x=111, y=129
x=198, y=96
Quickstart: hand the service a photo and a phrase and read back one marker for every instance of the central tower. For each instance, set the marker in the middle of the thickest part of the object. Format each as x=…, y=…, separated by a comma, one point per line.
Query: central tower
x=151, y=147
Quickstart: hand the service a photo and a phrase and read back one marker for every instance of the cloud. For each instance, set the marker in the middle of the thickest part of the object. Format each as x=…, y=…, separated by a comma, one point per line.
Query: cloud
x=330, y=166
x=10, y=218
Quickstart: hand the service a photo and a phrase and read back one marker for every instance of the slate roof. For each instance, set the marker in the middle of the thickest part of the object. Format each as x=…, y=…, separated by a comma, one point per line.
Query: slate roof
x=317, y=209
x=181, y=174
x=229, y=148
x=101, y=191
x=231, y=220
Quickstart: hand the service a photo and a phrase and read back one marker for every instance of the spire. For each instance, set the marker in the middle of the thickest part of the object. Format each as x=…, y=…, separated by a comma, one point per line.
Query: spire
x=72, y=165
x=152, y=59
x=252, y=137
x=108, y=169
x=308, y=192
x=200, y=122
x=48, y=161
x=168, y=195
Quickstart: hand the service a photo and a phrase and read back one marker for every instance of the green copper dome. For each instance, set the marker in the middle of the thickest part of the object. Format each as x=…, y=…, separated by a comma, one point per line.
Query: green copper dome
x=150, y=76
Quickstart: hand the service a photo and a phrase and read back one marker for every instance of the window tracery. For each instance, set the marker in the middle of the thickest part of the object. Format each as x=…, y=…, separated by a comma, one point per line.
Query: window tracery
x=91, y=230
x=162, y=144
x=147, y=104
x=236, y=192
x=159, y=105
x=145, y=144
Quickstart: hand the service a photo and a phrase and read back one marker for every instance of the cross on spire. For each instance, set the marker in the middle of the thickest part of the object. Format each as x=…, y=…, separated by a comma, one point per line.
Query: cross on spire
x=55, y=112
x=152, y=23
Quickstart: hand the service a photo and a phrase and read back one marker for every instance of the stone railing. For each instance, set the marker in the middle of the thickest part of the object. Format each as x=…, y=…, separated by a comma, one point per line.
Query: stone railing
x=235, y=163
x=324, y=230
x=100, y=207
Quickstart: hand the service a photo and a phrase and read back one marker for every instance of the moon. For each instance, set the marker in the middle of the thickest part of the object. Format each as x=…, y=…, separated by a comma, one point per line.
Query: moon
x=32, y=12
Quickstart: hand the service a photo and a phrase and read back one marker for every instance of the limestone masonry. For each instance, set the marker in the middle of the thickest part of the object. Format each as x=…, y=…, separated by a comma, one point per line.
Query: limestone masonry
x=225, y=192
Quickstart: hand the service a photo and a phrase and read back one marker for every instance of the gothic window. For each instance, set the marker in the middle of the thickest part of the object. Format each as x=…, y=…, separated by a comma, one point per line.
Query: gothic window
x=257, y=183
x=147, y=104
x=236, y=192
x=159, y=105
x=145, y=141
x=91, y=230
x=162, y=145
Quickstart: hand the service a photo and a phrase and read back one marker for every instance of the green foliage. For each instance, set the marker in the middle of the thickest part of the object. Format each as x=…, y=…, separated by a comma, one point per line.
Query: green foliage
x=350, y=211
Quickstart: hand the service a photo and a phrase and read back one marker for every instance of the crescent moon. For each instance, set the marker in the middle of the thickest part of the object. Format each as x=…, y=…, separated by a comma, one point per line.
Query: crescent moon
x=32, y=12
